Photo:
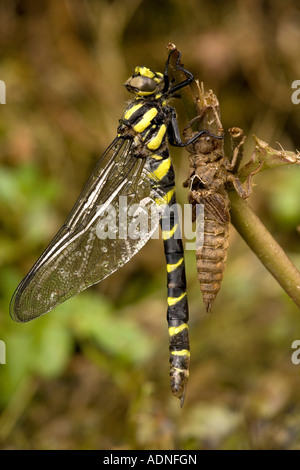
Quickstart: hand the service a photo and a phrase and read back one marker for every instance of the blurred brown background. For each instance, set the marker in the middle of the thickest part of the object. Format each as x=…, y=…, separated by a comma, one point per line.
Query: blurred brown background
x=93, y=374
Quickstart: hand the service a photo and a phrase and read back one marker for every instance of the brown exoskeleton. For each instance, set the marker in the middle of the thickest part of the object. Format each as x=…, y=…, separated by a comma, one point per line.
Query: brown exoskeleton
x=211, y=174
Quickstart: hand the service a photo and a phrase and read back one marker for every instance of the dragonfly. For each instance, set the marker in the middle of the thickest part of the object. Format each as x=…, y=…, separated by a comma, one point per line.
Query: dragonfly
x=136, y=168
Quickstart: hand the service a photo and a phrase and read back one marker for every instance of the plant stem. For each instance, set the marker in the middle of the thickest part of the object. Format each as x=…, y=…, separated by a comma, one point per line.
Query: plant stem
x=259, y=239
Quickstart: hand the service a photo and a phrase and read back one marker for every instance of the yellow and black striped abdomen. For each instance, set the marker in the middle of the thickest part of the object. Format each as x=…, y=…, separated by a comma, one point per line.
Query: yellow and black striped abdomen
x=178, y=314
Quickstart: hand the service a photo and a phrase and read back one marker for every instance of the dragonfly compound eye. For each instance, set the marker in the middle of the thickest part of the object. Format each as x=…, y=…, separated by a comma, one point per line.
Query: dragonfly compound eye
x=140, y=84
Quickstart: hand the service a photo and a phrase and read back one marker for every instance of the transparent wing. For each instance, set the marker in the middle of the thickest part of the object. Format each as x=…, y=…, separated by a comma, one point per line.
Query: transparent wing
x=113, y=218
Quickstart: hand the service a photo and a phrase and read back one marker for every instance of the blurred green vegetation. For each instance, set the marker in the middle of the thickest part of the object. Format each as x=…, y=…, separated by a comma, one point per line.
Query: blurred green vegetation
x=93, y=374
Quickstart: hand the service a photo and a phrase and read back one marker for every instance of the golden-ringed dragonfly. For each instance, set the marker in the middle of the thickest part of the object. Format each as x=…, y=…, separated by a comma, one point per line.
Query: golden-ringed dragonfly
x=136, y=167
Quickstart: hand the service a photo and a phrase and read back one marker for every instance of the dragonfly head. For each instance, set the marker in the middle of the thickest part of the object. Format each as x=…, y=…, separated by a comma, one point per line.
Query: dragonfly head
x=144, y=82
